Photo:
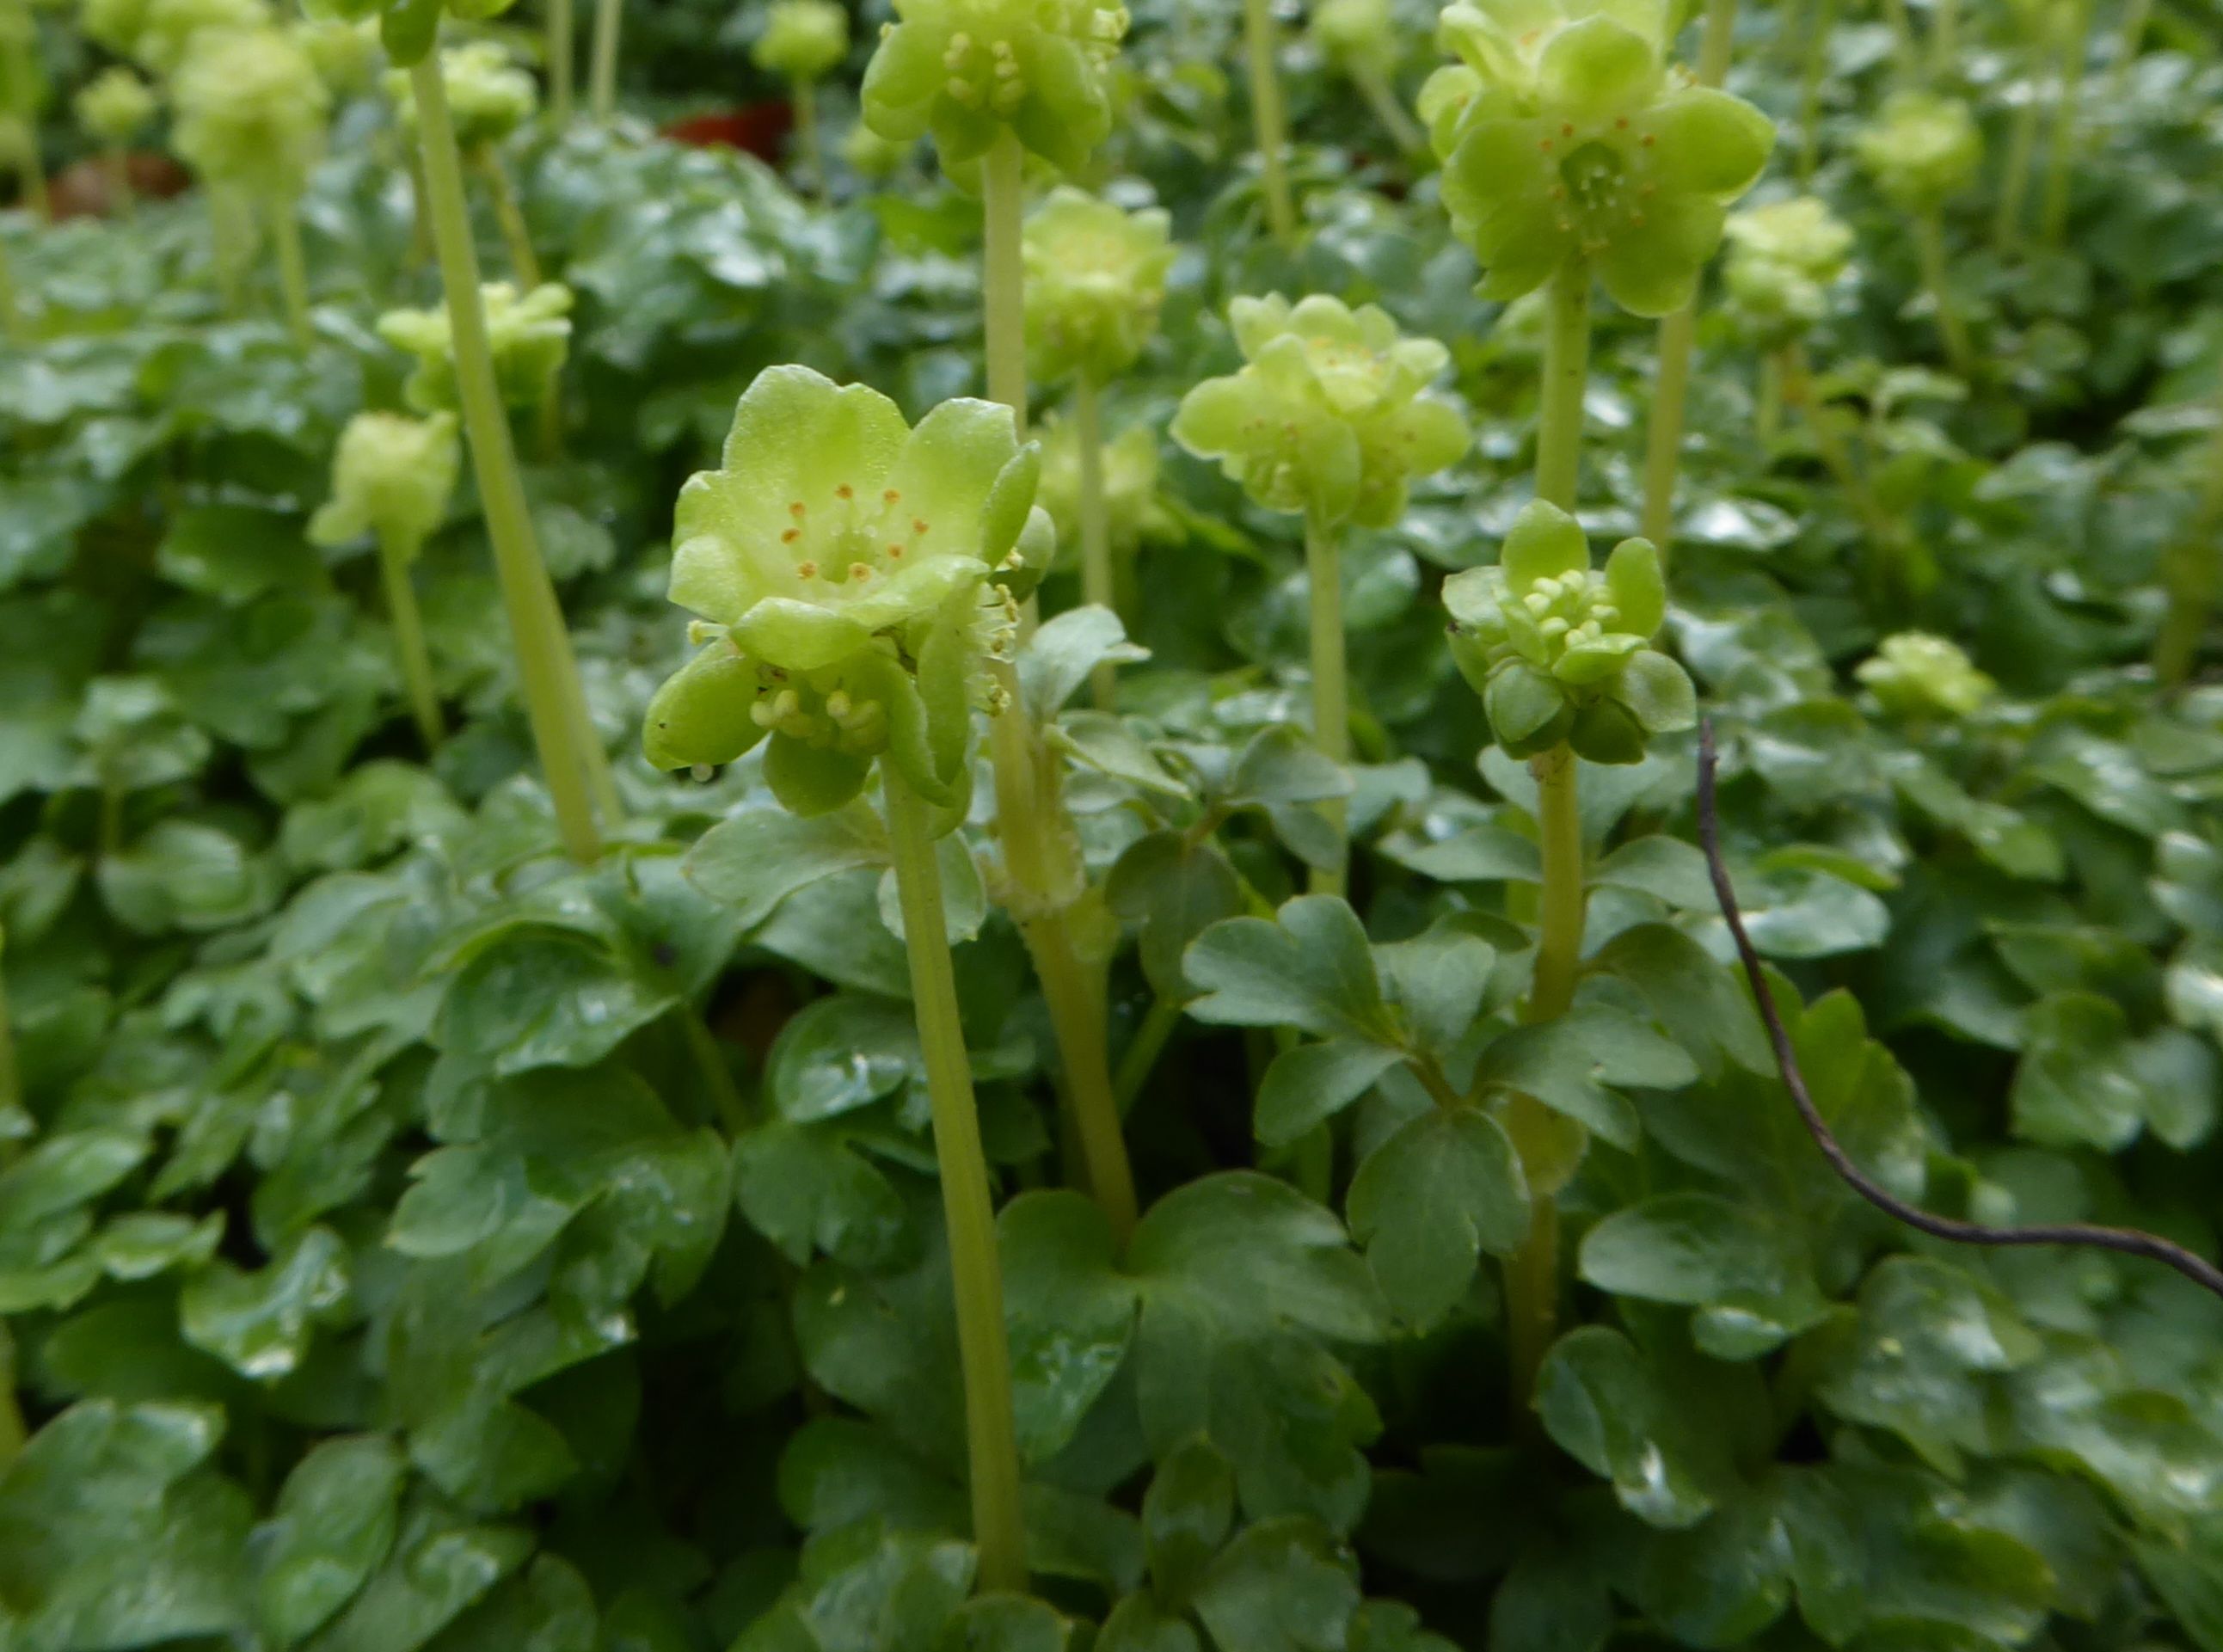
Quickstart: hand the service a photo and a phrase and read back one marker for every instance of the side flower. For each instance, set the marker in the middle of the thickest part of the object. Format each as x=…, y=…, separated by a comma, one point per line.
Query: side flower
x=1559, y=651
x=1095, y=281
x=529, y=335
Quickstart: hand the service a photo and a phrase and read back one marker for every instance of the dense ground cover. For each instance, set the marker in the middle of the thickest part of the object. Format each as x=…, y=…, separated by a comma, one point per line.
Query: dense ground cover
x=492, y=1152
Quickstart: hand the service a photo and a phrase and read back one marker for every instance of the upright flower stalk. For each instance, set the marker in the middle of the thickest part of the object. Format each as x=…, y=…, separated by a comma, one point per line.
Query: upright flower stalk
x=2189, y=573
x=548, y=673
x=1261, y=41
x=846, y=570
x=602, y=68
x=1330, y=419
x=1571, y=156
x=803, y=40
x=1363, y=38
x=993, y=80
x=2061, y=161
x=490, y=95
x=561, y=39
x=1922, y=151
x=114, y=107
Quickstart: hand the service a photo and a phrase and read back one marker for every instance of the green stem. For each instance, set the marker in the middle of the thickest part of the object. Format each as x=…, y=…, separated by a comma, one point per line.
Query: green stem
x=809, y=153
x=2136, y=17
x=1403, y=130
x=1929, y=244
x=2021, y=155
x=1559, y=931
x=516, y=239
x=122, y=200
x=1262, y=43
x=1076, y=1016
x=1810, y=92
x=292, y=270
x=1768, y=403
x=1330, y=684
x=394, y=558
x=559, y=60
x=717, y=1074
x=1566, y=375
x=2190, y=574
x=602, y=72
x=231, y=232
x=1945, y=39
x=13, y=320
x=1663, y=436
x=1905, y=60
x=1004, y=275
x=976, y=1272
x=547, y=671
x=1893, y=561
x=11, y=1074
x=1143, y=1050
x=1095, y=578
x=2053, y=210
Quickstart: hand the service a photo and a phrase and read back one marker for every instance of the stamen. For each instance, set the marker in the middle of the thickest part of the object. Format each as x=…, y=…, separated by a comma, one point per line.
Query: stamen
x=807, y=569
x=790, y=536
x=858, y=571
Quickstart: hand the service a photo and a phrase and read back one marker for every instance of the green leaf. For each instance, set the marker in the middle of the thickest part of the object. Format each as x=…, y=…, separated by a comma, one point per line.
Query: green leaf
x=1310, y=968
x=1688, y=1248
x=1445, y=1187
x=237, y=552
x=1062, y=653
x=1703, y=1007
x=260, y=1323
x=755, y=860
x=439, y=1568
x=839, y=1054
x=1437, y=980
x=1070, y=1315
x=1282, y=1586
x=1566, y=1063
x=334, y=1522
x=2077, y=1086
x=1174, y=889
x=542, y=996
x=1604, y=1405
x=1665, y=868
x=1186, y=1513
x=1307, y=1083
x=807, y=1189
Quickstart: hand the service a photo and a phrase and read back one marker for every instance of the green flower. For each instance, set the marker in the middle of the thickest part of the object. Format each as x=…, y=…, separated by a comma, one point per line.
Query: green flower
x=1096, y=277
x=490, y=94
x=391, y=478
x=802, y=39
x=966, y=70
x=1327, y=418
x=1783, y=259
x=1132, y=510
x=163, y=33
x=1913, y=673
x=1357, y=36
x=1922, y=150
x=1559, y=651
x=846, y=564
x=1565, y=136
x=115, y=106
x=529, y=337
x=344, y=53
x=251, y=111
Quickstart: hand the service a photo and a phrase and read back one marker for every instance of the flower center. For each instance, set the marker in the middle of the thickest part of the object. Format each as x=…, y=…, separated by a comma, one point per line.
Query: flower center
x=846, y=543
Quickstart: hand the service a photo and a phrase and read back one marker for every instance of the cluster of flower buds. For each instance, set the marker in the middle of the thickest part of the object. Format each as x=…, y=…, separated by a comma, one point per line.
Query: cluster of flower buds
x=1914, y=674
x=1784, y=258
x=1096, y=278
x=115, y=106
x=1328, y=416
x=1132, y=509
x=159, y=35
x=251, y=111
x=1922, y=150
x=1357, y=36
x=968, y=70
x=852, y=573
x=528, y=334
x=1561, y=651
x=391, y=478
x=1565, y=134
x=802, y=39
x=490, y=94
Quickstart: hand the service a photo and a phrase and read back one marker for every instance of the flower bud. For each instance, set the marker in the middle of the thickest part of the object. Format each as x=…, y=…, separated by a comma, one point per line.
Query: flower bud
x=1922, y=150
x=391, y=476
x=251, y=111
x=802, y=39
x=115, y=106
x=490, y=94
x=1913, y=674
x=1096, y=277
x=528, y=337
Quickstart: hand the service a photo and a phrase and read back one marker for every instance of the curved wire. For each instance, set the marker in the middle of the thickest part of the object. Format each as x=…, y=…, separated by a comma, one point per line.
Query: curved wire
x=2130, y=1241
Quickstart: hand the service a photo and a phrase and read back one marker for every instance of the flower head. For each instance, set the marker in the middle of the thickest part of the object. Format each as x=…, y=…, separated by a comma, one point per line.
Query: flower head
x=115, y=106
x=1913, y=673
x=968, y=70
x=802, y=39
x=1132, y=511
x=1922, y=150
x=159, y=35
x=1328, y=416
x=847, y=564
x=344, y=53
x=1565, y=137
x=1559, y=651
x=1358, y=36
x=1783, y=259
x=392, y=477
x=490, y=94
x=251, y=111
x=1096, y=277
x=528, y=337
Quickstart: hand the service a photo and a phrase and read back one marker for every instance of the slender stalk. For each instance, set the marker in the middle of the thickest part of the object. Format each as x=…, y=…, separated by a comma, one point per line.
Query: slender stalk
x=547, y=671
x=115, y=166
x=1810, y=92
x=2190, y=573
x=13, y=320
x=2053, y=209
x=1382, y=99
x=1096, y=576
x=516, y=239
x=1929, y=244
x=231, y=232
x=1143, y=1050
x=586, y=740
x=1894, y=561
x=560, y=41
x=393, y=558
x=18, y=90
x=1041, y=865
x=1566, y=375
x=1768, y=402
x=2021, y=156
x=2136, y=17
x=1663, y=444
x=717, y=1076
x=1905, y=62
x=292, y=270
x=1262, y=43
x=809, y=151
x=1559, y=931
x=975, y=1269
x=1945, y=39
x=11, y=1074
x=602, y=72
x=1330, y=685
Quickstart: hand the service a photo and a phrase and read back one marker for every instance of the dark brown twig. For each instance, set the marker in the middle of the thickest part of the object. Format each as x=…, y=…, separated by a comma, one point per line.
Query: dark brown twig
x=2130, y=1241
